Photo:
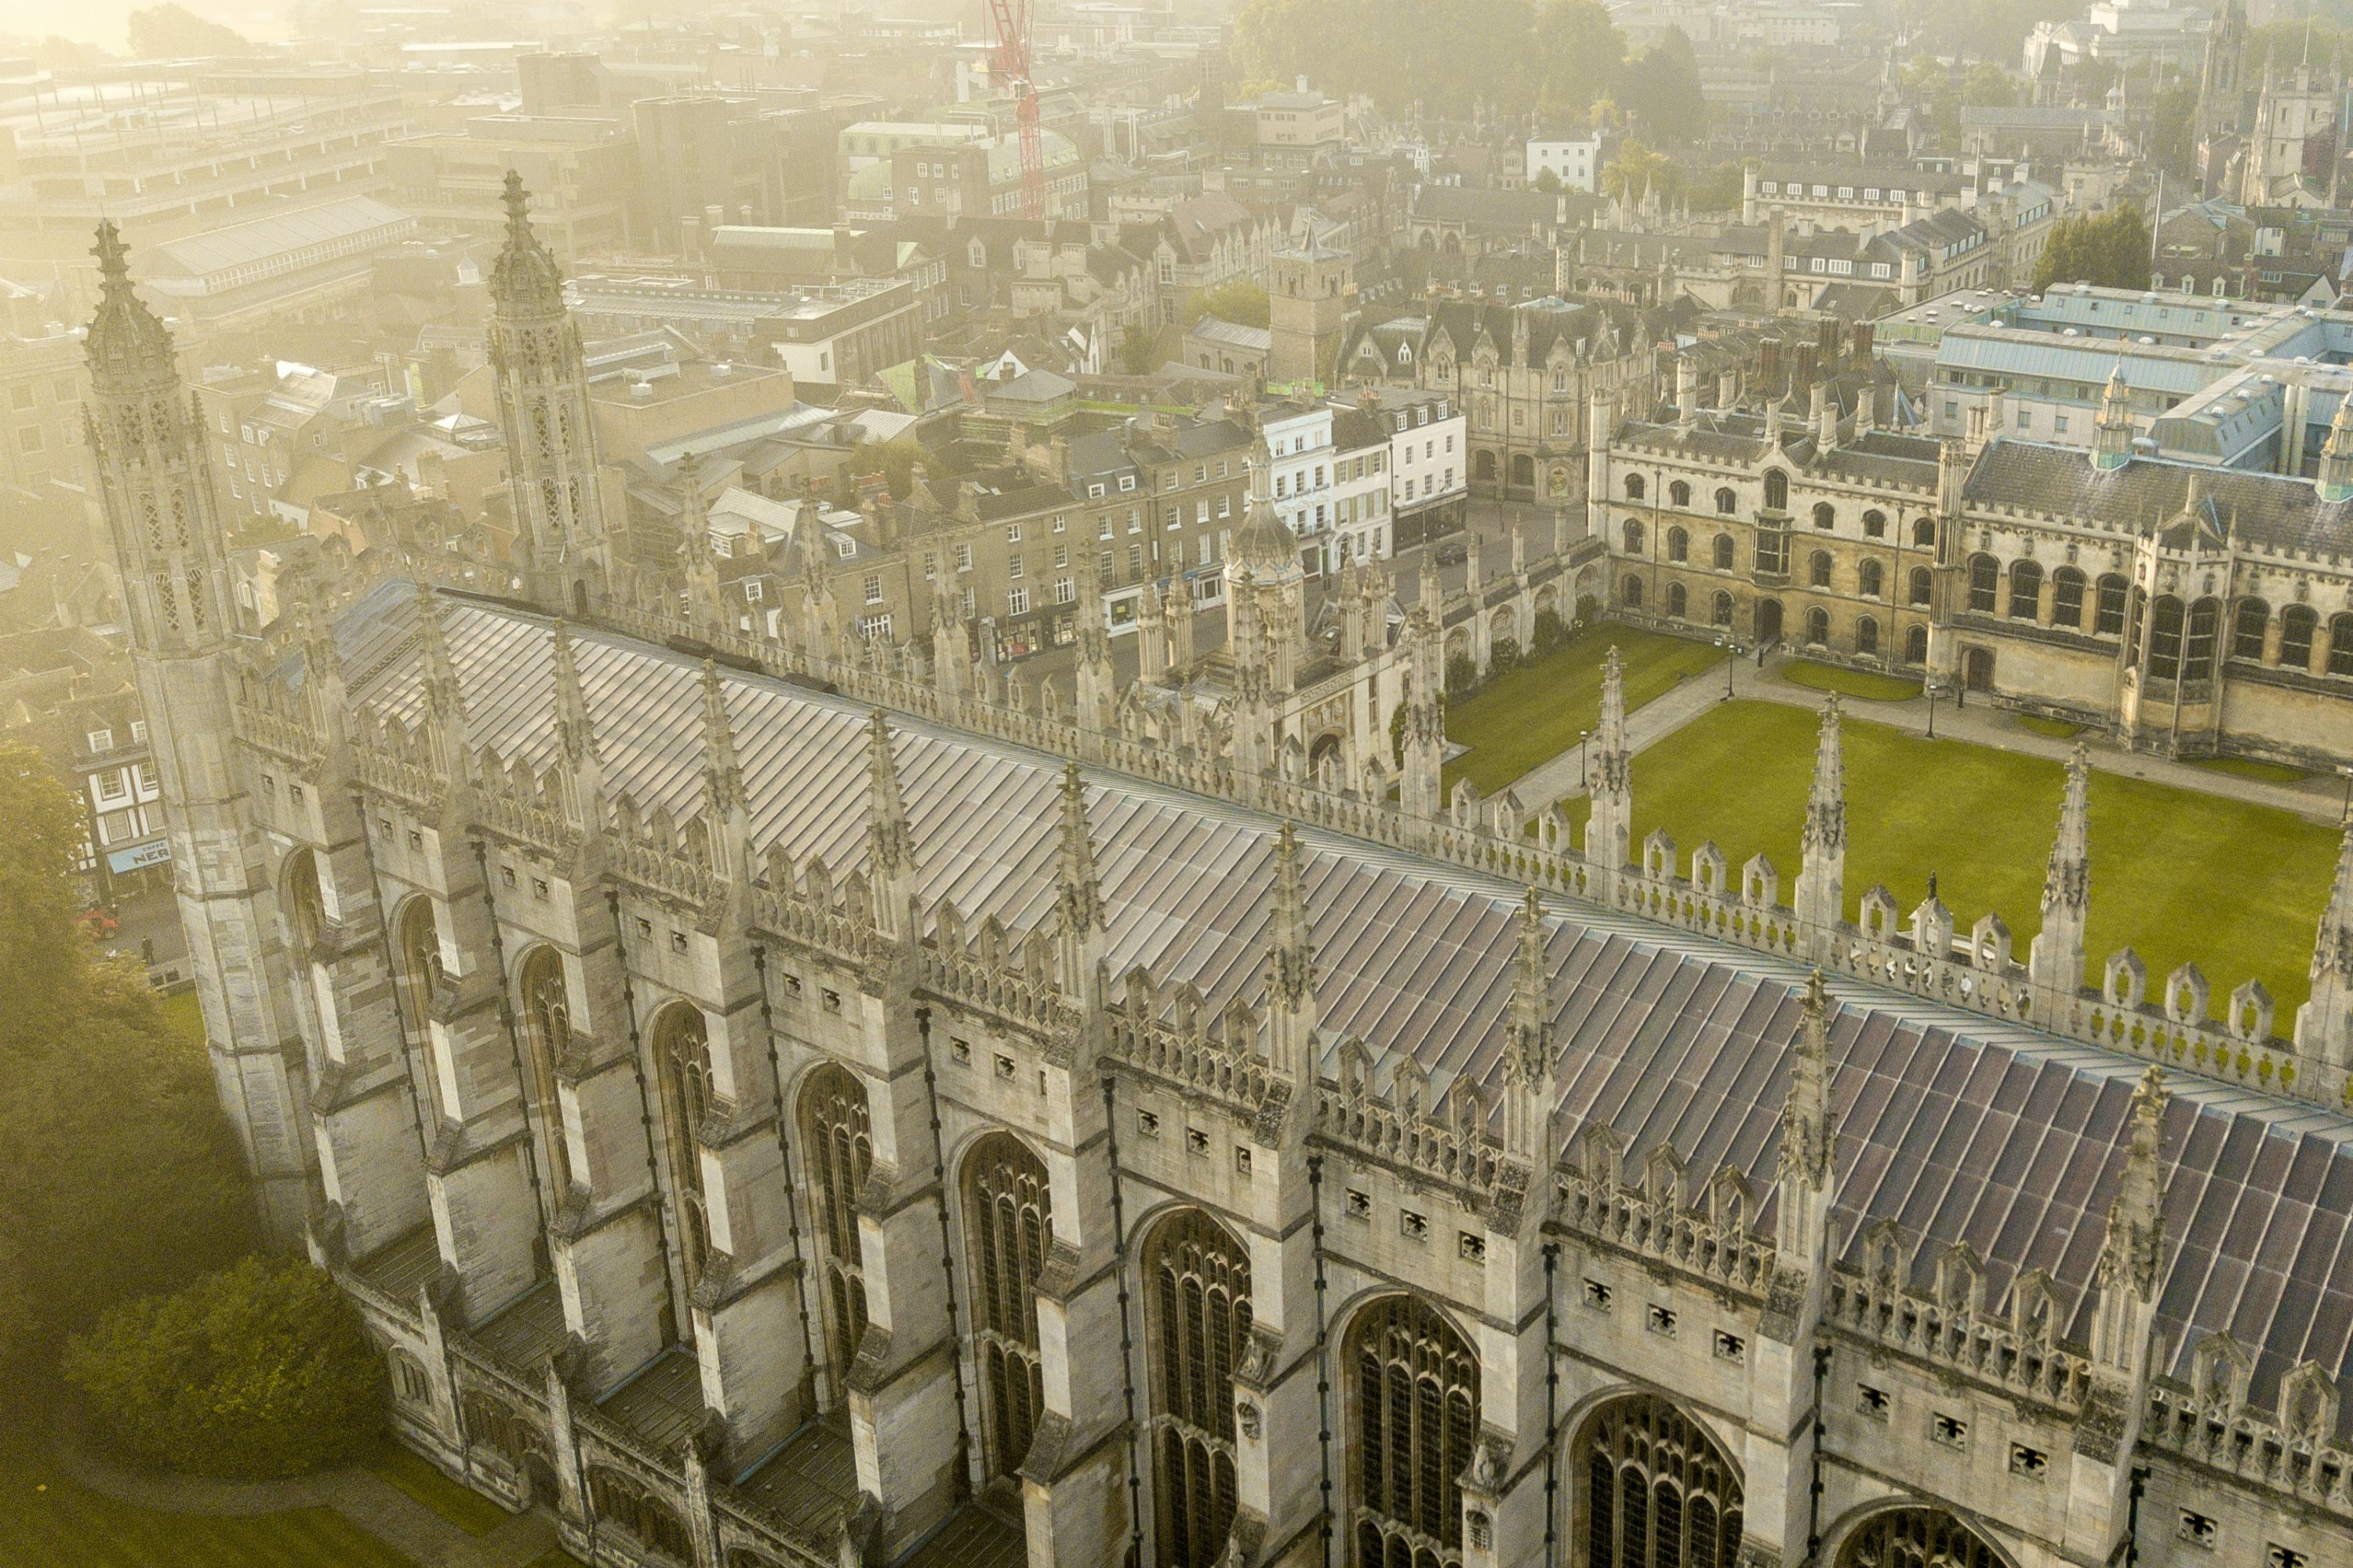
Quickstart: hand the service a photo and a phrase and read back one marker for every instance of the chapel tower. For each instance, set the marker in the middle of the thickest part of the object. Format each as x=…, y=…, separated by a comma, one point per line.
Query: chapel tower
x=155, y=490
x=543, y=391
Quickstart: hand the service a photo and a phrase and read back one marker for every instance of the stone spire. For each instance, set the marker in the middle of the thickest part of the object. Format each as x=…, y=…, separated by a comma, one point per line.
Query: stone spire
x=524, y=278
x=890, y=841
x=1151, y=635
x=2336, y=456
x=445, y=699
x=1252, y=746
x=1291, y=972
x=1807, y=1170
x=1527, y=1040
x=2111, y=446
x=1093, y=684
x=1078, y=896
x=1821, y=865
x=2134, y=1248
x=576, y=738
x=2055, y=962
x=125, y=343
x=1425, y=716
x=951, y=644
x=155, y=479
x=723, y=774
x=2324, y=1025
x=542, y=381
x=1610, y=830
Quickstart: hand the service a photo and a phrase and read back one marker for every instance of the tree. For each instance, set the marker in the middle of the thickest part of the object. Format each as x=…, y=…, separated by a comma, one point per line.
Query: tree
x=259, y=1369
x=2174, y=141
x=895, y=460
x=1240, y=302
x=1660, y=90
x=1517, y=56
x=2110, y=250
x=1545, y=181
x=1988, y=86
x=121, y=1175
x=1637, y=169
x=170, y=31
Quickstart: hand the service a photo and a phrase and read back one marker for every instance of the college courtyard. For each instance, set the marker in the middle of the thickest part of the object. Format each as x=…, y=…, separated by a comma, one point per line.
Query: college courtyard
x=2226, y=865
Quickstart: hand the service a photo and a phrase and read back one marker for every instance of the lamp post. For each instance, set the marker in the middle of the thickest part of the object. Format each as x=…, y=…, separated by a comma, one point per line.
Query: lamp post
x=1584, y=783
x=1732, y=655
x=1932, y=688
x=2346, y=813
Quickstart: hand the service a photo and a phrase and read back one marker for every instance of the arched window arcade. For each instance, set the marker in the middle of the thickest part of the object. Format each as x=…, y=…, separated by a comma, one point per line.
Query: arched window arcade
x=1653, y=1490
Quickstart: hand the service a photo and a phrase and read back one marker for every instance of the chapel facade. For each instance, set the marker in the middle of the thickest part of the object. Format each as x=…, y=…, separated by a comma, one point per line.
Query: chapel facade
x=778, y=1104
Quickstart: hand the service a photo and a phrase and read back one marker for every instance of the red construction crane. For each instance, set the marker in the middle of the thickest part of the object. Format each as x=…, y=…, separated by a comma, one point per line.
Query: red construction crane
x=1011, y=64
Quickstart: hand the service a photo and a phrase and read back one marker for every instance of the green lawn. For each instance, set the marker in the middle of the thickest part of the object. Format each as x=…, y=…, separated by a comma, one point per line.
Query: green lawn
x=469, y=1510
x=2181, y=876
x=1533, y=714
x=47, y=1521
x=1859, y=683
x=2248, y=768
x=2056, y=729
x=186, y=1014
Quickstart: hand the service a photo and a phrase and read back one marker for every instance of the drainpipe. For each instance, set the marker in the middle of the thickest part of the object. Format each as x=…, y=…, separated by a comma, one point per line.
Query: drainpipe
x=1322, y=1360
x=785, y=1154
x=1814, y=1488
x=1126, y=1338
x=947, y=1260
x=1552, y=1410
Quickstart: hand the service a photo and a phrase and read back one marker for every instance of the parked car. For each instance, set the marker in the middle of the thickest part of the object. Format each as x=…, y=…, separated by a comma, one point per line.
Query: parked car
x=1452, y=553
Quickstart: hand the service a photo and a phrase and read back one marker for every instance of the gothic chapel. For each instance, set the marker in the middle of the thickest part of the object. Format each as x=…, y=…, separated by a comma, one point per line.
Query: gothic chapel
x=779, y=1105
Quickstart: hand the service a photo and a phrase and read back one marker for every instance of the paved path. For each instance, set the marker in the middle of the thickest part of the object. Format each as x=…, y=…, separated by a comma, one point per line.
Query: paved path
x=360, y=1495
x=2318, y=800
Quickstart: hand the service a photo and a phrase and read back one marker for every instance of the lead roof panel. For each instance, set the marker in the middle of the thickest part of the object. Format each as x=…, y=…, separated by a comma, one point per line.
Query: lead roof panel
x=1959, y=1126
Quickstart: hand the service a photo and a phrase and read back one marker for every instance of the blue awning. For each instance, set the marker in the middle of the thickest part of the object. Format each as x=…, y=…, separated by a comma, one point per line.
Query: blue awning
x=155, y=853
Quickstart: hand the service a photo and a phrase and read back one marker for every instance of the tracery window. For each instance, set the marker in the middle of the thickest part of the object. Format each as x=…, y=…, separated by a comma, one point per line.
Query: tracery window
x=1415, y=1386
x=1200, y=1317
x=1007, y=1227
x=1678, y=544
x=1915, y=1538
x=1724, y=549
x=1657, y=1491
x=2067, y=597
x=2164, y=639
x=1776, y=491
x=682, y=1065
x=547, y=1028
x=2109, y=614
x=2025, y=590
x=1679, y=493
x=1725, y=501
x=2205, y=623
x=1985, y=583
x=837, y=1147
x=2248, y=628
x=2297, y=624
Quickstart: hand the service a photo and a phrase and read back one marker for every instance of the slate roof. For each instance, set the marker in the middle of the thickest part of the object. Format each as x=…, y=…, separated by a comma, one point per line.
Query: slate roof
x=1959, y=1126
x=2279, y=511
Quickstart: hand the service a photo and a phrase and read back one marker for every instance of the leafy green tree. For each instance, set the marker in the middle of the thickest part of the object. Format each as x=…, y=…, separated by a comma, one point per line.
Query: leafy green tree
x=1545, y=181
x=1660, y=90
x=1240, y=302
x=2174, y=141
x=2110, y=248
x=895, y=460
x=121, y=1177
x=1988, y=86
x=1553, y=56
x=169, y=31
x=1637, y=169
x=259, y=1369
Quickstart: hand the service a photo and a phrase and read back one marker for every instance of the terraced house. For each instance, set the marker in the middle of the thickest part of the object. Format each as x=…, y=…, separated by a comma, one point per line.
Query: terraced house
x=794, y=1106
